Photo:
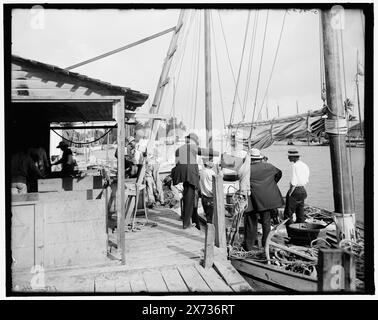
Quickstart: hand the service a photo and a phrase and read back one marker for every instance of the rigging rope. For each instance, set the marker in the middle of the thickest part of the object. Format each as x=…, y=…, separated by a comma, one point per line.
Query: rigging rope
x=185, y=41
x=193, y=69
x=198, y=63
x=250, y=61
x=217, y=66
x=229, y=60
x=258, y=78
x=241, y=63
x=274, y=63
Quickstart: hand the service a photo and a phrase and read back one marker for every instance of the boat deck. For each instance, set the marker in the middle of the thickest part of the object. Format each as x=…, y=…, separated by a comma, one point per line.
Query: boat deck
x=161, y=258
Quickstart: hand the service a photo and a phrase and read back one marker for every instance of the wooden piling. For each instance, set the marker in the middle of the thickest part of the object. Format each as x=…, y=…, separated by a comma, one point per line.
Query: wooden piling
x=209, y=246
x=120, y=116
x=219, y=220
x=336, y=270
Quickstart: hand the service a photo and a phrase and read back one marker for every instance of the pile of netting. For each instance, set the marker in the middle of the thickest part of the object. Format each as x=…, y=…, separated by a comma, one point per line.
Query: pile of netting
x=284, y=259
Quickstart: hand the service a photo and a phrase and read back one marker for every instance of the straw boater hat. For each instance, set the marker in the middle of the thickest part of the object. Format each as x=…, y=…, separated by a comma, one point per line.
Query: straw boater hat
x=256, y=154
x=293, y=153
x=192, y=136
x=207, y=162
x=130, y=139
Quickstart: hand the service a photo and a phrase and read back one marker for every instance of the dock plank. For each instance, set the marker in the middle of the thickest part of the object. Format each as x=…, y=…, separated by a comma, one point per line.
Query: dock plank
x=213, y=280
x=137, y=283
x=123, y=284
x=173, y=280
x=193, y=279
x=104, y=285
x=154, y=281
x=232, y=277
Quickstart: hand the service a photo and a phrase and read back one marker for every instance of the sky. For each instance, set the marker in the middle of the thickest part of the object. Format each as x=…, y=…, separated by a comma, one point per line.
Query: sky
x=66, y=37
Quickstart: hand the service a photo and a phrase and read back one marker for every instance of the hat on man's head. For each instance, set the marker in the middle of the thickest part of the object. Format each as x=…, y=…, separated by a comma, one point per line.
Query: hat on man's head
x=62, y=144
x=130, y=139
x=192, y=136
x=293, y=153
x=208, y=162
x=256, y=154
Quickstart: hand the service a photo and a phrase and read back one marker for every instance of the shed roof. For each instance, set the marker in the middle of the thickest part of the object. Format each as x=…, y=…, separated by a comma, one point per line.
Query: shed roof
x=35, y=80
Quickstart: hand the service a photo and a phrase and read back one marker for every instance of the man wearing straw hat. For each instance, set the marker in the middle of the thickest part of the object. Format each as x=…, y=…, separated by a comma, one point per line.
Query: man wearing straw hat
x=297, y=194
x=265, y=197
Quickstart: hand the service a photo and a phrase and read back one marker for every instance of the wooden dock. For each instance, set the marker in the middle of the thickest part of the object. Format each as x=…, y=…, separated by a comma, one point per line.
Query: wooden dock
x=161, y=258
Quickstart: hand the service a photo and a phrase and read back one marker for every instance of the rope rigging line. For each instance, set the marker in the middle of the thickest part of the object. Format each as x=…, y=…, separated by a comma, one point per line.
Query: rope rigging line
x=193, y=69
x=240, y=65
x=106, y=54
x=185, y=41
x=217, y=67
x=84, y=143
x=258, y=78
x=198, y=63
x=182, y=48
x=229, y=59
x=274, y=63
x=250, y=61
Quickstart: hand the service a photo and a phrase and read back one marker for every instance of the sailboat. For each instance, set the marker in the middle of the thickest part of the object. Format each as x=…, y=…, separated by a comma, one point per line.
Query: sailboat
x=270, y=274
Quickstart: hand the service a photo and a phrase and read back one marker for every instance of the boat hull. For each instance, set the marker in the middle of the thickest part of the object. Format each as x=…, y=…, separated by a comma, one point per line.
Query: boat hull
x=269, y=278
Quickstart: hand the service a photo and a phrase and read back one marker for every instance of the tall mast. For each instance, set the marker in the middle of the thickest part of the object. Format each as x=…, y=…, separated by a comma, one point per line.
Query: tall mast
x=164, y=79
x=358, y=98
x=208, y=106
x=336, y=122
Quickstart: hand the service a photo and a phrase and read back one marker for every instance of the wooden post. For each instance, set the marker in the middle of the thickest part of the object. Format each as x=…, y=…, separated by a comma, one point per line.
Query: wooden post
x=218, y=217
x=336, y=270
x=342, y=189
x=209, y=246
x=208, y=106
x=120, y=117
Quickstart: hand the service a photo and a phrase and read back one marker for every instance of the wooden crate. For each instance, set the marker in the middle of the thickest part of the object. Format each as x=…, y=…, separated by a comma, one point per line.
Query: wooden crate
x=58, y=233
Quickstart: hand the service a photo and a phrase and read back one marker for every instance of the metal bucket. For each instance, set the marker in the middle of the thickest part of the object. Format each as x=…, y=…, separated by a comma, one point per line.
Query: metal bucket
x=303, y=233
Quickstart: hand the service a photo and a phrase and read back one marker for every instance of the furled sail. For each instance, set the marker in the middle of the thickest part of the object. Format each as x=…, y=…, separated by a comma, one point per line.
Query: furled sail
x=265, y=133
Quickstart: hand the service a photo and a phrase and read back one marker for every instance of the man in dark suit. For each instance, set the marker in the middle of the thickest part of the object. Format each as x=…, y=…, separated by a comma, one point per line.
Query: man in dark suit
x=265, y=196
x=186, y=171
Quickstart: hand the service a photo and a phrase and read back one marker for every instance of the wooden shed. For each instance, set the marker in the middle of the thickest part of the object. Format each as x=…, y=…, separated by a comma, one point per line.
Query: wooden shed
x=60, y=228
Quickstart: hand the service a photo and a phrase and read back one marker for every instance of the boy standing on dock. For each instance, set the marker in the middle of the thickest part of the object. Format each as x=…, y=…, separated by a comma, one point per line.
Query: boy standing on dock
x=297, y=194
x=206, y=188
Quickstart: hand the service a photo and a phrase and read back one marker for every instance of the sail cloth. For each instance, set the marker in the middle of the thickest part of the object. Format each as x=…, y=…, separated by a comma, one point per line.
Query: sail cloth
x=265, y=133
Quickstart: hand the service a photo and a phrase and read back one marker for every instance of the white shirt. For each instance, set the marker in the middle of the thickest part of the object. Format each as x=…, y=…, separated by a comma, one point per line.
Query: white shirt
x=206, y=181
x=300, y=174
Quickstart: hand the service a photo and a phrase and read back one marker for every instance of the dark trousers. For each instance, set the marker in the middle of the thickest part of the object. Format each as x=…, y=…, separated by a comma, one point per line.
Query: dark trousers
x=190, y=202
x=208, y=207
x=295, y=203
x=250, y=227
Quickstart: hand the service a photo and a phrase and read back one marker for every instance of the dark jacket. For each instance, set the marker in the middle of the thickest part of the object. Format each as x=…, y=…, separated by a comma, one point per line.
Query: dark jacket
x=186, y=169
x=265, y=194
